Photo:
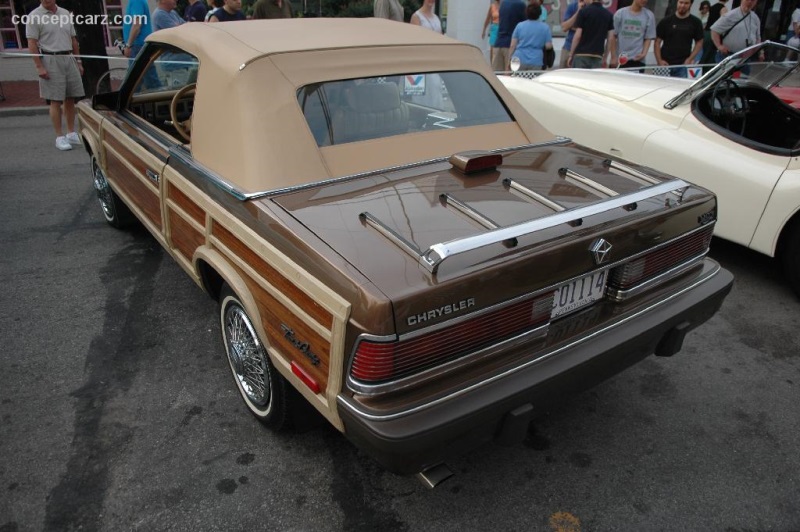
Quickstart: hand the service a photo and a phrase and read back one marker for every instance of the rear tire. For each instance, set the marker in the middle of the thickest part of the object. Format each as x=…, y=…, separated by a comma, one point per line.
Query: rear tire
x=116, y=213
x=790, y=255
x=263, y=389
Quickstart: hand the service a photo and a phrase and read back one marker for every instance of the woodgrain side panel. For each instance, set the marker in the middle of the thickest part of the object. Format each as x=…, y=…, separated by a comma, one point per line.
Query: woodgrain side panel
x=133, y=160
x=314, y=309
x=90, y=122
x=184, y=237
x=182, y=200
x=299, y=343
x=143, y=196
x=137, y=131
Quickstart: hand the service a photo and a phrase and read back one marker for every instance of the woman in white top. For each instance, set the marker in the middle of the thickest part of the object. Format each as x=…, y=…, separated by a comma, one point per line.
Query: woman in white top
x=426, y=18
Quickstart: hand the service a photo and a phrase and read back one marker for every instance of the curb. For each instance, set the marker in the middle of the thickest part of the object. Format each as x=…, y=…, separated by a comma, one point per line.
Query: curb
x=25, y=111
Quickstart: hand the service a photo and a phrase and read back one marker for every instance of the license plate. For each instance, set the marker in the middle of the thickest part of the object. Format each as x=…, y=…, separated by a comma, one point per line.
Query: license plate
x=578, y=293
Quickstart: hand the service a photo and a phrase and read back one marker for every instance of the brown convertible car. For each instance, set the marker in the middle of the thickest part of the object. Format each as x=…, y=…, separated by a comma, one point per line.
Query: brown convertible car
x=390, y=236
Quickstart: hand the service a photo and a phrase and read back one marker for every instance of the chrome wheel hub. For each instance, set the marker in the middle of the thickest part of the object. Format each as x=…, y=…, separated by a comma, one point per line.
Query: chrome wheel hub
x=103, y=191
x=247, y=356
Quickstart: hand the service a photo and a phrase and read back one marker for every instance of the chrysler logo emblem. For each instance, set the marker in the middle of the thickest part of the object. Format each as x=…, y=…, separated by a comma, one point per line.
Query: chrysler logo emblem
x=600, y=250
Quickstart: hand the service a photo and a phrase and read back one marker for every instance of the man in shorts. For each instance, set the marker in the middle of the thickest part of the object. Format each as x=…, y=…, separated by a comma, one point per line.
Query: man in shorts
x=52, y=42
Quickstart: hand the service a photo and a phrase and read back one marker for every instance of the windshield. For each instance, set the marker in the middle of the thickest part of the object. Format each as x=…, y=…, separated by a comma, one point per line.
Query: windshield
x=352, y=110
x=764, y=64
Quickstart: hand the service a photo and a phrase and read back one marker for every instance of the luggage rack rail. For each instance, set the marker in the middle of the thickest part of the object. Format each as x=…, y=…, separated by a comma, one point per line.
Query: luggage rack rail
x=433, y=257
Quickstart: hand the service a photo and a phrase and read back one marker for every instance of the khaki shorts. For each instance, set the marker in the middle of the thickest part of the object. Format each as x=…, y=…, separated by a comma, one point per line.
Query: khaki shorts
x=65, y=79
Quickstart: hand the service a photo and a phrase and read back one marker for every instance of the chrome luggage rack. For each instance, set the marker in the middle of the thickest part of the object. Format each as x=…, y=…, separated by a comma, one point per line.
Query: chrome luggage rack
x=432, y=258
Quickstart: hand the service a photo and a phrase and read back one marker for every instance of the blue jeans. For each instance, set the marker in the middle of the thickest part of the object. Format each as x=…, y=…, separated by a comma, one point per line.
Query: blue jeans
x=678, y=72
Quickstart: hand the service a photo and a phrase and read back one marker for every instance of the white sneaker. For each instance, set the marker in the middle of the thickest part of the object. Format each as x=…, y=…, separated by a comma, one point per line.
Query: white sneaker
x=63, y=144
x=73, y=138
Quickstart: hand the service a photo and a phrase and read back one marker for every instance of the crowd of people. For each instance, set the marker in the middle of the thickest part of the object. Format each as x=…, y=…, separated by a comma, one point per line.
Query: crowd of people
x=597, y=38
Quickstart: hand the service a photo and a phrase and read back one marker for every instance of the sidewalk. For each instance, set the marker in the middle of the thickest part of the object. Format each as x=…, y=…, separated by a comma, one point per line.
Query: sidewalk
x=21, y=98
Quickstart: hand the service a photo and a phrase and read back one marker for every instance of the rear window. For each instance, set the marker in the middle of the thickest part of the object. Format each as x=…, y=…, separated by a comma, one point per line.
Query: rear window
x=338, y=112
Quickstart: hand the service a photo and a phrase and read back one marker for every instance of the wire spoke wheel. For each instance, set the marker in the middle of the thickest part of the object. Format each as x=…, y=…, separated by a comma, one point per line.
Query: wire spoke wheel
x=247, y=356
x=263, y=388
x=104, y=194
x=115, y=211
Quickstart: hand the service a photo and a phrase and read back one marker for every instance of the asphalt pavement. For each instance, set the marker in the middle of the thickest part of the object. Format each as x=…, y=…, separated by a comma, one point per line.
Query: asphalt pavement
x=118, y=411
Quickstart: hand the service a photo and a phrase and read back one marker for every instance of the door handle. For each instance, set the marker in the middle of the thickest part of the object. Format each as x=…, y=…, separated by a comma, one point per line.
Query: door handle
x=152, y=176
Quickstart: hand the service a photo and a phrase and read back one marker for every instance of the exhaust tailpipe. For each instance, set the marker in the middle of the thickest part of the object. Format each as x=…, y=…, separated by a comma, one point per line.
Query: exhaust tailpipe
x=435, y=475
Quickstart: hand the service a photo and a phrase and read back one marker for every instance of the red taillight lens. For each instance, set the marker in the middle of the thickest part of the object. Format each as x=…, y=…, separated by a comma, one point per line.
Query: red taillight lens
x=381, y=361
x=661, y=260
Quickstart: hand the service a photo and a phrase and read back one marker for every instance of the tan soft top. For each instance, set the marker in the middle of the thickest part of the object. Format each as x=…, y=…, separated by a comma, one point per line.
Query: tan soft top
x=248, y=40
x=248, y=126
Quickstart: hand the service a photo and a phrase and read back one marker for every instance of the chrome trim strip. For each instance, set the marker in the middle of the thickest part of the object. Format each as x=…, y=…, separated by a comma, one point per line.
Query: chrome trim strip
x=183, y=155
x=675, y=271
x=623, y=170
x=431, y=373
x=231, y=189
x=372, y=417
x=438, y=253
x=163, y=141
x=593, y=185
x=390, y=234
x=530, y=194
x=467, y=211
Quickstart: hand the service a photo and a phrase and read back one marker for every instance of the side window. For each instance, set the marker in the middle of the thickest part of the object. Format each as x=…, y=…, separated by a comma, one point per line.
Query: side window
x=163, y=94
x=169, y=70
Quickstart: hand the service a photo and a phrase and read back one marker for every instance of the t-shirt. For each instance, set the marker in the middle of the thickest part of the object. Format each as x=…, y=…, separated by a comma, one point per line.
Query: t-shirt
x=572, y=8
x=165, y=19
x=512, y=12
x=713, y=14
x=595, y=22
x=195, y=12
x=745, y=29
x=224, y=16
x=140, y=9
x=531, y=36
x=632, y=29
x=679, y=36
x=53, y=31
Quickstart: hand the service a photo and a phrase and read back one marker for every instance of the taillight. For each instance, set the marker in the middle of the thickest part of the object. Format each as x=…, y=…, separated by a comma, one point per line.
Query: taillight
x=660, y=260
x=382, y=361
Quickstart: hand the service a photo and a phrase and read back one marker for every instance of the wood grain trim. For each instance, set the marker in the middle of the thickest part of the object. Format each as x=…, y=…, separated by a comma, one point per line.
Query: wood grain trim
x=143, y=197
x=90, y=122
x=281, y=283
x=189, y=207
x=183, y=236
x=274, y=314
x=134, y=160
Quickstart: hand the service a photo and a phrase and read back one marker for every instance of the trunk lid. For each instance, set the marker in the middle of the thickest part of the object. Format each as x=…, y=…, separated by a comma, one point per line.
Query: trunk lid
x=419, y=206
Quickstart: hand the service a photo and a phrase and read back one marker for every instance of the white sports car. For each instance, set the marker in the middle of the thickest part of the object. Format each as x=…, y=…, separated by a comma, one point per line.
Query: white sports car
x=734, y=131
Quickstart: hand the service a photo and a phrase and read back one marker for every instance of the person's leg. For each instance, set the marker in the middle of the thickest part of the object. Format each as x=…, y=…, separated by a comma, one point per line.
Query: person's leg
x=69, y=114
x=499, y=59
x=55, y=117
x=563, y=58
